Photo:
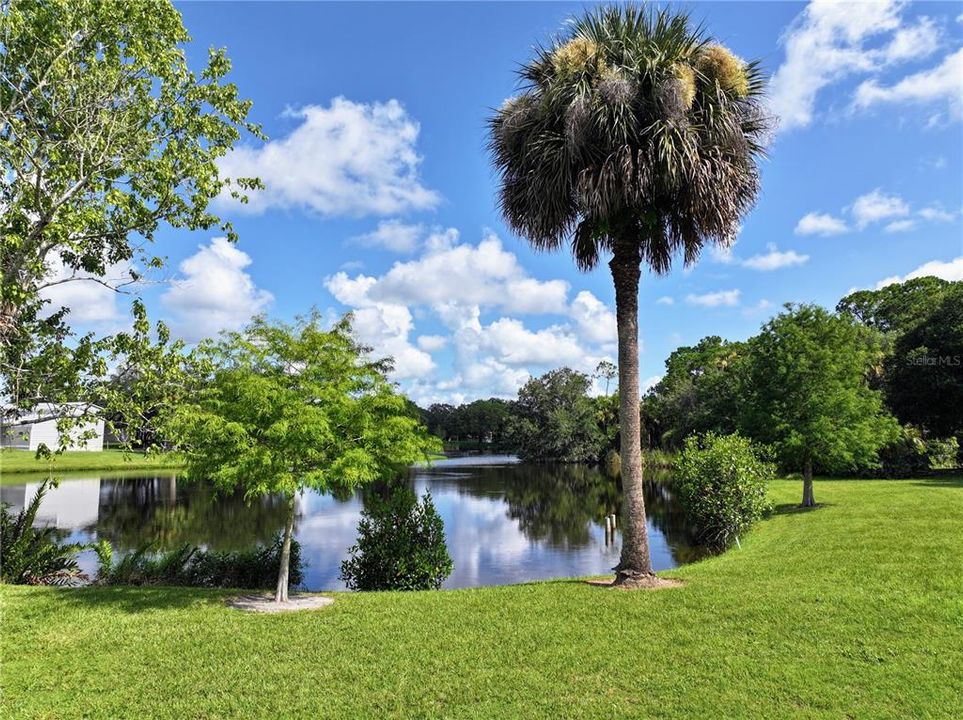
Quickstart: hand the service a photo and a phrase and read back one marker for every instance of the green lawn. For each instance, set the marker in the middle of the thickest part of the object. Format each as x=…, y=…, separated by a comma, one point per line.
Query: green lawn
x=15, y=461
x=852, y=610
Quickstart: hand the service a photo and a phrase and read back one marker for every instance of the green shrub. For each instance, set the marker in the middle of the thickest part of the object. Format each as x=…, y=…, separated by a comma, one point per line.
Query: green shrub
x=904, y=457
x=722, y=484
x=910, y=455
x=189, y=565
x=35, y=556
x=401, y=545
x=943, y=453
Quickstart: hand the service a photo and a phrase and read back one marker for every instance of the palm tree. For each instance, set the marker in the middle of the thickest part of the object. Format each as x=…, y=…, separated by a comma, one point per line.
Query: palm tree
x=635, y=135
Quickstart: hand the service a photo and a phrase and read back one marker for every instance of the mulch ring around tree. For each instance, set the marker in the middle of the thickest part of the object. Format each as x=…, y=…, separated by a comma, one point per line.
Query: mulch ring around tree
x=266, y=604
x=642, y=582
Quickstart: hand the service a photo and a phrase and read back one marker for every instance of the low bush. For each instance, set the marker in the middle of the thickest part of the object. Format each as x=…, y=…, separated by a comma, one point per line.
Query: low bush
x=35, y=556
x=401, y=545
x=910, y=455
x=722, y=485
x=192, y=566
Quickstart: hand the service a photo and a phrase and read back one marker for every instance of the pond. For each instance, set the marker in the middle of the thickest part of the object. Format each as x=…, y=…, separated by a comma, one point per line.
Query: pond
x=505, y=522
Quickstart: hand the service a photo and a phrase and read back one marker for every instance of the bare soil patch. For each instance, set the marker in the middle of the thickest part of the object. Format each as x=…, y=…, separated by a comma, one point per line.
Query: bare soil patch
x=266, y=604
x=648, y=582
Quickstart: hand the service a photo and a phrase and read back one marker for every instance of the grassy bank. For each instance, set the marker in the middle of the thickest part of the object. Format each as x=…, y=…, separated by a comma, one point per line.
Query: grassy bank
x=851, y=610
x=16, y=461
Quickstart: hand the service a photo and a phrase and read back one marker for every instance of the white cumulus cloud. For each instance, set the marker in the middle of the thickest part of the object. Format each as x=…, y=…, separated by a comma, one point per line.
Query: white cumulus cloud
x=940, y=84
x=722, y=298
x=830, y=41
x=898, y=226
x=936, y=214
x=459, y=285
x=593, y=318
x=485, y=274
x=774, y=260
x=951, y=270
x=91, y=299
x=383, y=326
x=870, y=209
x=816, y=223
x=432, y=343
x=393, y=235
x=347, y=158
x=213, y=292
x=877, y=206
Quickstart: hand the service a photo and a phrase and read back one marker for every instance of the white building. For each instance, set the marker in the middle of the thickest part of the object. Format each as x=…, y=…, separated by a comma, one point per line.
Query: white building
x=27, y=431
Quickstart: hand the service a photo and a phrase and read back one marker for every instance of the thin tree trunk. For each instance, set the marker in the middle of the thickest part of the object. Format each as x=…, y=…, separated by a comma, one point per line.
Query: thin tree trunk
x=281, y=594
x=808, y=499
x=634, y=563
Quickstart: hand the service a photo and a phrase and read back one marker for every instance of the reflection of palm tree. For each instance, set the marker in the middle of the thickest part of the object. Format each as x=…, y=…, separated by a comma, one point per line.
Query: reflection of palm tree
x=559, y=503
x=161, y=511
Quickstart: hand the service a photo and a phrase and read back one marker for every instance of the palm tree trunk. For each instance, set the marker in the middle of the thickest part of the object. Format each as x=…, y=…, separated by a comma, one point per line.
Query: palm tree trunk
x=281, y=594
x=809, y=499
x=634, y=563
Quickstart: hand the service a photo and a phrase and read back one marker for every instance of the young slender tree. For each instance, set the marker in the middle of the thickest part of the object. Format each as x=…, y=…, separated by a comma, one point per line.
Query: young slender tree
x=808, y=393
x=634, y=135
x=291, y=407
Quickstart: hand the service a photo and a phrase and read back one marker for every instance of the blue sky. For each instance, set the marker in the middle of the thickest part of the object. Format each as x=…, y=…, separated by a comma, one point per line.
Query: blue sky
x=380, y=197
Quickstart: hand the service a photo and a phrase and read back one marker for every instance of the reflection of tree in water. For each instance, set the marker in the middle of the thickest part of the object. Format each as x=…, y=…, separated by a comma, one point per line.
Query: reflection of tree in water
x=170, y=513
x=560, y=503
x=666, y=515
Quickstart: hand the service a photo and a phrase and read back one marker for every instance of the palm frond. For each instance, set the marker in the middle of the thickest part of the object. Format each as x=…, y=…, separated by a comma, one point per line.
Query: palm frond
x=632, y=126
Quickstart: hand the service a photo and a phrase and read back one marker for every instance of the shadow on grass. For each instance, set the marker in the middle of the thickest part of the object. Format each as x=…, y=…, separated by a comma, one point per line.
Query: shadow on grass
x=132, y=599
x=944, y=482
x=796, y=508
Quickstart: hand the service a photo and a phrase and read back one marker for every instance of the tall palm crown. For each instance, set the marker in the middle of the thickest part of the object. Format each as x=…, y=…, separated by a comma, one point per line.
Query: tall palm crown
x=634, y=129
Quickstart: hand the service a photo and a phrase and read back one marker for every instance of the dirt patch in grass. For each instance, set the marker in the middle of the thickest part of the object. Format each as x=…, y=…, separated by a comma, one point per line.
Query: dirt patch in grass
x=266, y=604
x=647, y=582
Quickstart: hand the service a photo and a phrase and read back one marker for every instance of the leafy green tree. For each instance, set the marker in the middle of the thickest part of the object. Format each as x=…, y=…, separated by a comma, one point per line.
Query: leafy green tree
x=105, y=134
x=924, y=373
x=634, y=135
x=290, y=407
x=438, y=418
x=898, y=307
x=555, y=419
x=607, y=417
x=808, y=395
x=69, y=382
x=700, y=391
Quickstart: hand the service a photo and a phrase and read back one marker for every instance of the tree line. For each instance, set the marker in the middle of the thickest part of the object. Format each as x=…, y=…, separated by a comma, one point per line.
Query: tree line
x=873, y=387
x=893, y=354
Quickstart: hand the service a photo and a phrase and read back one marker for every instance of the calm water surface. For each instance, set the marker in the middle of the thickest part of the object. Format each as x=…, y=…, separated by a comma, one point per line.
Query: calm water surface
x=505, y=522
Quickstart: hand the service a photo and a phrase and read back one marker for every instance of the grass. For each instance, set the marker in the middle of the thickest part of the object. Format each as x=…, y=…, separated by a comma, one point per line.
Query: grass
x=16, y=461
x=854, y=609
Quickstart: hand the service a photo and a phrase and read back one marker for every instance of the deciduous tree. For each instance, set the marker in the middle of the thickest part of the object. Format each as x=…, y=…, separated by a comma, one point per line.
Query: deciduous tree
x=808, y=393
x=291, y=407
